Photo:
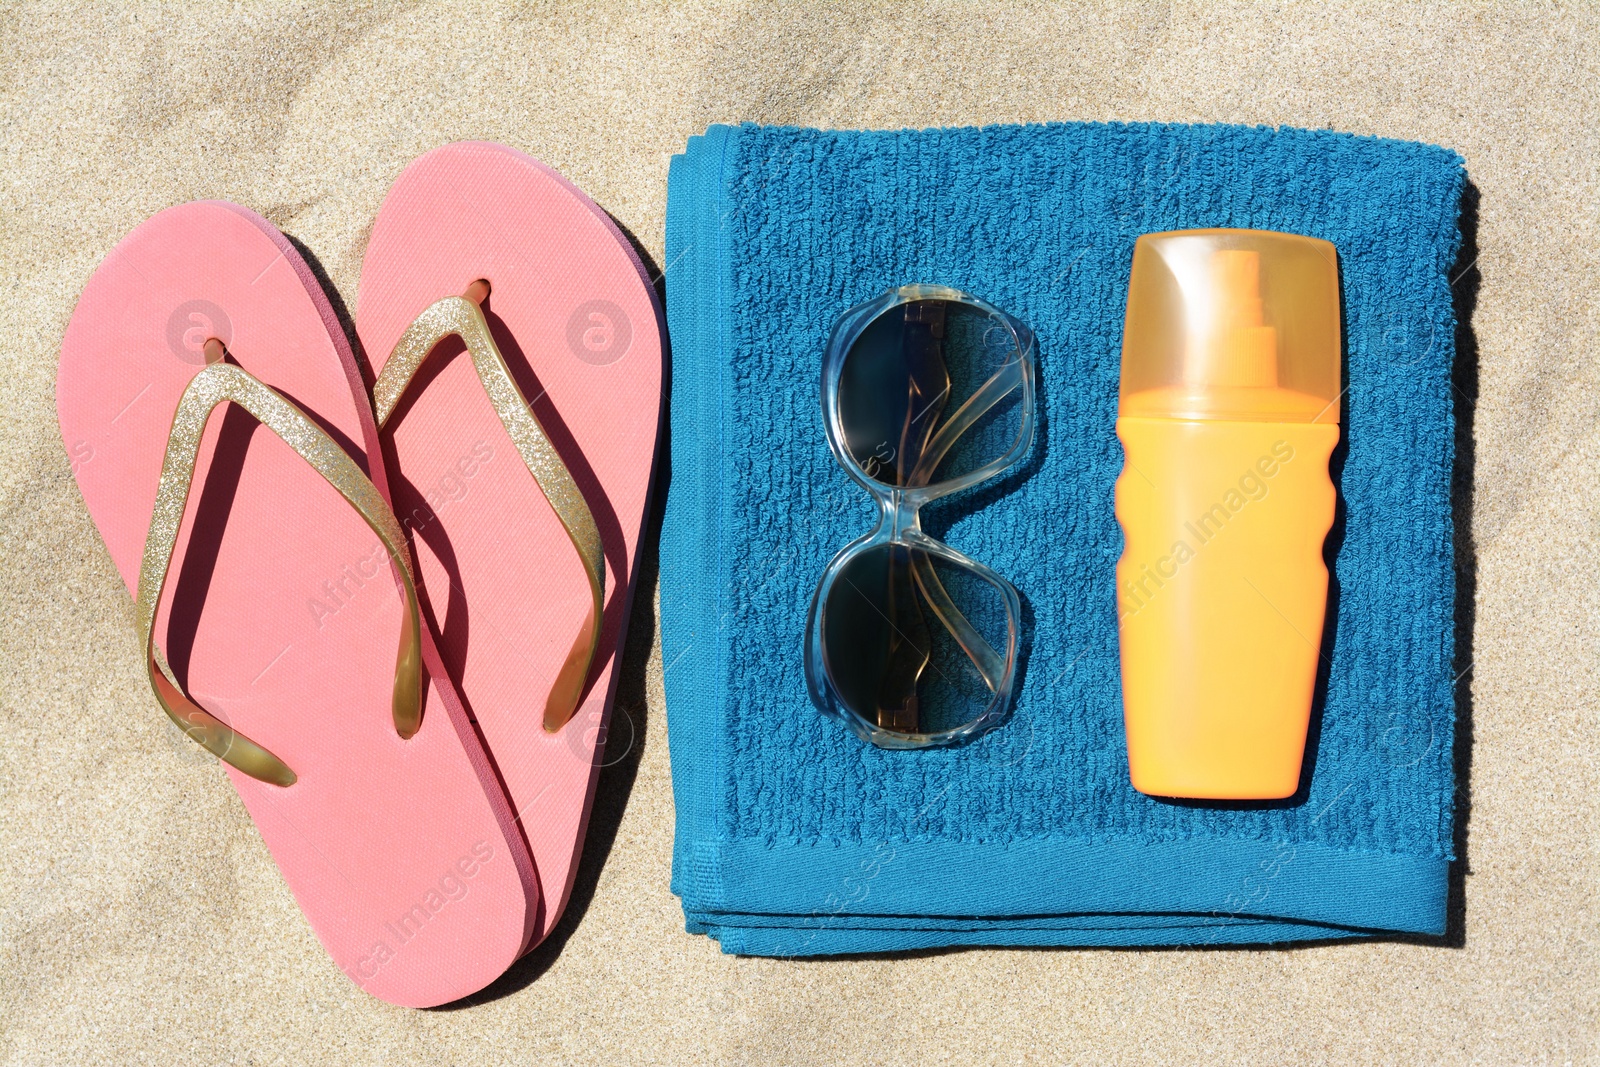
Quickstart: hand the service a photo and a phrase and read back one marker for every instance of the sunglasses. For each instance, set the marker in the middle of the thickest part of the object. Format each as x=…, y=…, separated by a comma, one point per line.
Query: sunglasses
x=926, y=391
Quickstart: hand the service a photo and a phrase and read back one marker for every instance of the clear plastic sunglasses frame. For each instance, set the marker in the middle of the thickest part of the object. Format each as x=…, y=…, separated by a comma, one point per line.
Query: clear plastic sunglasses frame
x=899, y=522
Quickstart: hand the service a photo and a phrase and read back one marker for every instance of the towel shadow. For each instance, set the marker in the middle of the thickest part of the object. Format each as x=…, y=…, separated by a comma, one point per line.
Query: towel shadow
x=1465, y=280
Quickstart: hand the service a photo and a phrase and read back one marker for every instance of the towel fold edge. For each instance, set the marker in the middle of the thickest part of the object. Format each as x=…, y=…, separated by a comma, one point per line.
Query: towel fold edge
x=1233, y=878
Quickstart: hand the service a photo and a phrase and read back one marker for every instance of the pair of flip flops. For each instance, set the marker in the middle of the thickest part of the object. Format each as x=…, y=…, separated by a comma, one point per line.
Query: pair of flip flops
x=396, y=619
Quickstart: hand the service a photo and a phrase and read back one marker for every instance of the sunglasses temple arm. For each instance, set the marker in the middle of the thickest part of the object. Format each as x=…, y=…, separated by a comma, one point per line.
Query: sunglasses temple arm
x=978, y=650
x=990, y=393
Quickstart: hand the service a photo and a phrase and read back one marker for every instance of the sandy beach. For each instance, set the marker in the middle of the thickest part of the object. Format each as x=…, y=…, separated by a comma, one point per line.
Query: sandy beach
x=141, y=917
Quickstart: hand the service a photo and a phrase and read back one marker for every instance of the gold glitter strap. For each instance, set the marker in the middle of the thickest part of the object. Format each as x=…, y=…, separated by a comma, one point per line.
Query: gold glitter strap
x=461, y=316
x=222, y=383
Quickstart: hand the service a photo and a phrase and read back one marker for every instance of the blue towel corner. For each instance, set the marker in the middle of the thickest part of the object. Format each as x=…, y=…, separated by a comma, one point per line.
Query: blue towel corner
x=794, y=837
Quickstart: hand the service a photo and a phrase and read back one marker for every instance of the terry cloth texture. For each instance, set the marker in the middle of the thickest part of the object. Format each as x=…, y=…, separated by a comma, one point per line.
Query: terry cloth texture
x=796, y=838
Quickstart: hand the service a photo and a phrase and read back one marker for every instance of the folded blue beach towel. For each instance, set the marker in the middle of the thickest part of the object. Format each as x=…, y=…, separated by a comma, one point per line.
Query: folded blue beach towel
x=796, y=838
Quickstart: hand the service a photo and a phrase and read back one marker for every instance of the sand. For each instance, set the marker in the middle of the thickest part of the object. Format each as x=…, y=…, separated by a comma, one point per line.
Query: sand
x=141, y=919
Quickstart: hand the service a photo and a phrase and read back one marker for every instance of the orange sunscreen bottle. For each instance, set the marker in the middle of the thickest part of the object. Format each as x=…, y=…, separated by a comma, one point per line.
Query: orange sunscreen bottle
x=1228, y=413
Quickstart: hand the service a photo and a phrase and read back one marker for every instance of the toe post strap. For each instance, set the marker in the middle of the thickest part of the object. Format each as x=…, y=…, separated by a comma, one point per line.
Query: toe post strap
x=462, y=316
x=220, y=383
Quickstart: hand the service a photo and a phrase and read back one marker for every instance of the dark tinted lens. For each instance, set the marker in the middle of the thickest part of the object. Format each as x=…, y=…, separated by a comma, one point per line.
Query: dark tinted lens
x=914, y=643
x=930, y=391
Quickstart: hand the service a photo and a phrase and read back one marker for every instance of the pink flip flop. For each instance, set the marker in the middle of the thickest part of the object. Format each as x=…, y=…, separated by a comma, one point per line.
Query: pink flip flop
x=276, y=602
x=524, y=518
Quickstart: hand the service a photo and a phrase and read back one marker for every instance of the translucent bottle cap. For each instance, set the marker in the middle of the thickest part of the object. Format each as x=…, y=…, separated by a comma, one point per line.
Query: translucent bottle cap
x=1232, y=324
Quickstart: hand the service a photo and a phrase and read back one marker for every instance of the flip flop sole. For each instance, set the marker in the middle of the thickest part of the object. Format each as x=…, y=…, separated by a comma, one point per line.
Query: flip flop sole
x=577, y=320
x=282, y=613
